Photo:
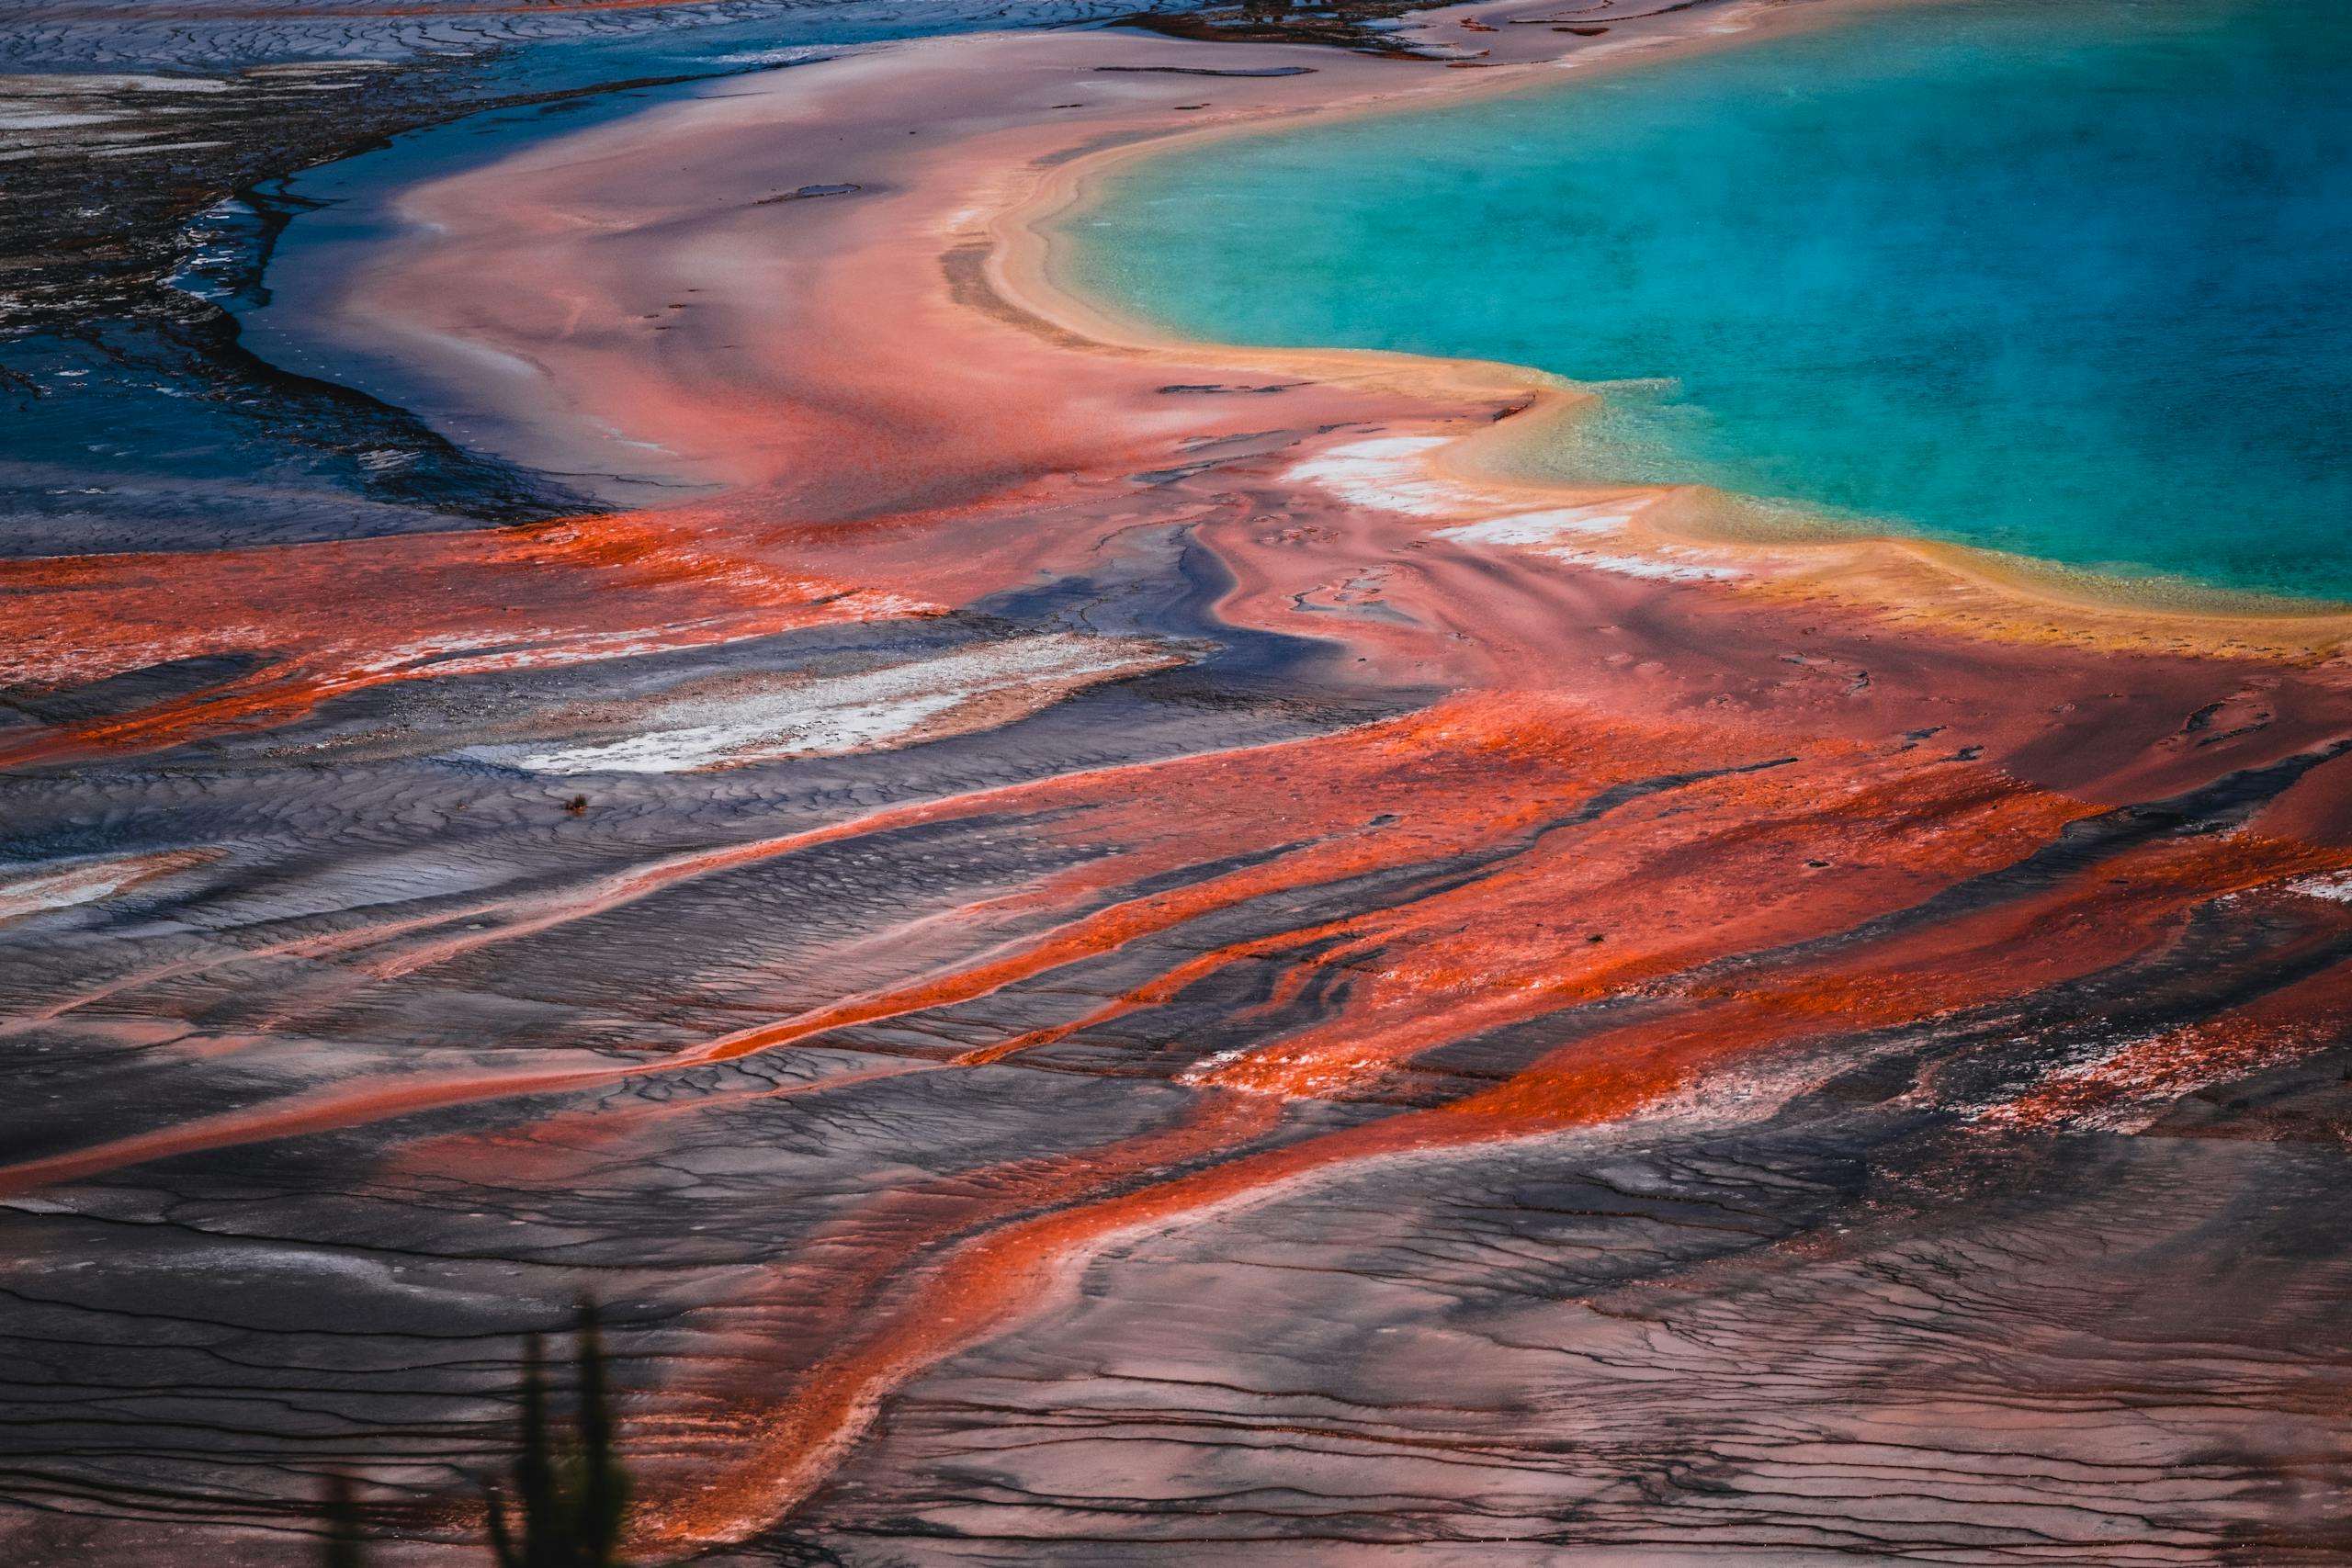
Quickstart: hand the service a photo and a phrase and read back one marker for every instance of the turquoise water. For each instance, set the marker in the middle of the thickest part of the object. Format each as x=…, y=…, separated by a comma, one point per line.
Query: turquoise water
x=2071, y=278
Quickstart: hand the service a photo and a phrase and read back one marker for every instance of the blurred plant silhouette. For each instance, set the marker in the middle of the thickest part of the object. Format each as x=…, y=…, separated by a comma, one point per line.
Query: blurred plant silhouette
x=565, y=1502
x=570, y=1490
x=347, y=1542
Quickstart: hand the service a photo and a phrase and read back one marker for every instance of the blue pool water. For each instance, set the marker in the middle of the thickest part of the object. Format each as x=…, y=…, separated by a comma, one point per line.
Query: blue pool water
x=2071, y=278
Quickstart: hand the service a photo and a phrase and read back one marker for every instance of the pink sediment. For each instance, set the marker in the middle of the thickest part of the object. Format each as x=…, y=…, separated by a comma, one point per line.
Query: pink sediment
x=900, y=433
x=328, y=619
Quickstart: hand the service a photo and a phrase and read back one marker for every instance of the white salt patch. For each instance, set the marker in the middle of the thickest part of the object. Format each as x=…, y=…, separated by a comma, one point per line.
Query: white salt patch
x=788, y=56
x=151, y=84
x=62, y=886
x=253, y=1262
x=1386, y=474
x=153, y=147
x=441, y=656
x=51, y=120
x=2335, y=886
x=60, y=889
x=1539, y=527
x=837, y=715
x=854, y=727
x=1646, y=567
x=80, y=83
x=1542, y=531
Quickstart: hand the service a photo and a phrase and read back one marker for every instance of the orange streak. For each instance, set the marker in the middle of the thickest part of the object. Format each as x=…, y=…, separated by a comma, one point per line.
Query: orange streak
x=331, y=618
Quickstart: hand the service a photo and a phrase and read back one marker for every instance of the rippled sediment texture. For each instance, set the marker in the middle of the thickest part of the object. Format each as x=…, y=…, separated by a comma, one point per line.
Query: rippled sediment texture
x=1097, y=974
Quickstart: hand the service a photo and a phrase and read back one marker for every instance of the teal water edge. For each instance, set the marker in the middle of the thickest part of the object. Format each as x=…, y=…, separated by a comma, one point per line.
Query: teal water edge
x=2066, y=279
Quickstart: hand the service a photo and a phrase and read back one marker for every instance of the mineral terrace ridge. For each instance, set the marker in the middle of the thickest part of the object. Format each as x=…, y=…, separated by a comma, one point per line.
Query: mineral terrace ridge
x=1111, y=951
